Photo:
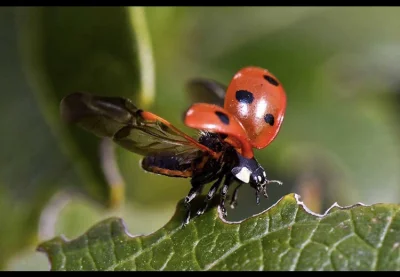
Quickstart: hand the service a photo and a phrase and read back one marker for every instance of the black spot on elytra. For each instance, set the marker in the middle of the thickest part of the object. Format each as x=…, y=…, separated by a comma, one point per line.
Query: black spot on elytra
x=269, y=118
x=223, y=117
x=244, y=96
x=271, y=80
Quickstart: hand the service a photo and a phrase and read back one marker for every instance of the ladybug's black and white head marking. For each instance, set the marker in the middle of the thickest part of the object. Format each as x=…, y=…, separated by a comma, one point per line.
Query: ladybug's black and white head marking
x=249, y=171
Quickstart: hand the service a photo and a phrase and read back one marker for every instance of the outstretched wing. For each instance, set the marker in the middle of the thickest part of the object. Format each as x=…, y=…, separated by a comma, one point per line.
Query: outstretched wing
x=206, y=90
x=138, y=131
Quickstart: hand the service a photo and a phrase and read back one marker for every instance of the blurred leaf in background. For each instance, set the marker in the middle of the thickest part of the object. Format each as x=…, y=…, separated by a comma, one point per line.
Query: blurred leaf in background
x=340, y=129
x=94, y=52
x=60, y=56
x=32, y=166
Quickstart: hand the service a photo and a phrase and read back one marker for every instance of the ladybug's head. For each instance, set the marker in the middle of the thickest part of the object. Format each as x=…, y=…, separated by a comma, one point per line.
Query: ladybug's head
x=259, y=177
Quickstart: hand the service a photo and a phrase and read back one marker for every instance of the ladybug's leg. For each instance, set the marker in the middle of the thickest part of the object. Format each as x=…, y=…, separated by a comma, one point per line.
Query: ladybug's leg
x=210, y=195
x=265, y=192
x=233, y=203
x=224, y=190
x=194, y=191
x=258, y=196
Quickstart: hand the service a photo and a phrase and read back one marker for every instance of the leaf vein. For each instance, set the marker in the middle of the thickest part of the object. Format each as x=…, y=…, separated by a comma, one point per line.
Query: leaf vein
x=261, y=267
x=334, y=247
x=90, y=254
x=357, y=234
x=237, y=246
x=303, y=245
x=381, y=241
x=113, y=250
x=144, y=250
x=195, y=258
x=64, y=257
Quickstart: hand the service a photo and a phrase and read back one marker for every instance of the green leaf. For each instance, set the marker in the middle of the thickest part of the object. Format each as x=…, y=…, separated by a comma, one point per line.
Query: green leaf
x=33, y=167
x=285, y=237
x=105, y=51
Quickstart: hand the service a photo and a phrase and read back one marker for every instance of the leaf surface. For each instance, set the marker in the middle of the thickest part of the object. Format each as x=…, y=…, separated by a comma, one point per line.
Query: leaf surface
x=285, y=237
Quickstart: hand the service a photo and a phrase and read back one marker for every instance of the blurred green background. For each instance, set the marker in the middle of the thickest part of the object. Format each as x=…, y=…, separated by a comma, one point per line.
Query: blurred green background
x=339, y=141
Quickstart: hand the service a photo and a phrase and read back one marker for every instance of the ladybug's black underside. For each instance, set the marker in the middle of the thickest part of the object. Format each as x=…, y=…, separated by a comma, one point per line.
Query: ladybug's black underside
x=204, y=170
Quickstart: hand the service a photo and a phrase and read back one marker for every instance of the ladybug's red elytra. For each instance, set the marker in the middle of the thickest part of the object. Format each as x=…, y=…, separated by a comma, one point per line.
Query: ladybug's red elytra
x=234, y=120
x=257, y=99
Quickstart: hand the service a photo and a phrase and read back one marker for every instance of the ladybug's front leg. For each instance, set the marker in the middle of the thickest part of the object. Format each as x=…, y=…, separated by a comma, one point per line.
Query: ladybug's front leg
x=224, y=190
x=194, y=191
x=234, y=198
x=210, y=195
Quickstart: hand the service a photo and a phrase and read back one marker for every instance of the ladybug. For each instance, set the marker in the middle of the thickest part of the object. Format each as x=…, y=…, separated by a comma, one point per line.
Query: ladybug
x=232, y=121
